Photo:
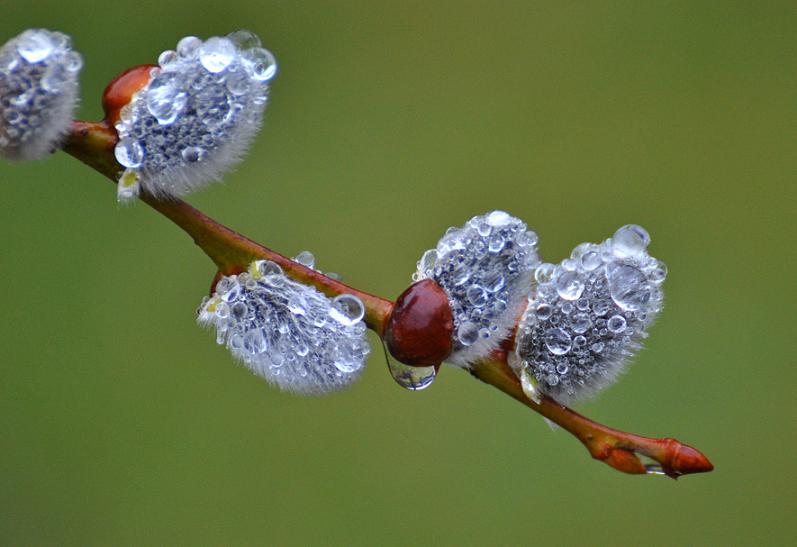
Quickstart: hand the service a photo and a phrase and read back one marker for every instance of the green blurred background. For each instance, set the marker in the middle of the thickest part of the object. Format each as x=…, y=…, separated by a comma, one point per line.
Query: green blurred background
x=123, y=423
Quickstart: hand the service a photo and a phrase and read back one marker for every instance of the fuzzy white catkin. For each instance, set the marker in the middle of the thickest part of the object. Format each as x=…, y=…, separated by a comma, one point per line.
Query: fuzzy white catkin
x=196, y=117
x=588, y=316
x=288, y=333
x=485, y=268
x=38, y=93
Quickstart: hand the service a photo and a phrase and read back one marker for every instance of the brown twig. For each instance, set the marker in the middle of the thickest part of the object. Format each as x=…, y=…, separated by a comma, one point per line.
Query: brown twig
x=93, y=144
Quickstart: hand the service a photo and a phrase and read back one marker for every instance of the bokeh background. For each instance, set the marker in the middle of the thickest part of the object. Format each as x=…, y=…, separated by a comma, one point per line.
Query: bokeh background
x=122, y=423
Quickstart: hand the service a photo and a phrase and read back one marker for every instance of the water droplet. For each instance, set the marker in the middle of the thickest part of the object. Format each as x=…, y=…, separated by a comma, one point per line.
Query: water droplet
x=166, y=98
x=590, y=260
x=216, y=54
x=428, y=260
x=239, y=310
x=305, y=258
x=188, y=46
x=477, y=296
x=167, y=57
x=527, y=239
x=244, y=39
x=628, y=286
x=35, y=45
x=597, y=347
x=569, y=286
x=493, y=281
x=601, y=307
x=543, y=312
x=659, y=272
x=529, y=386
x=581, y=322
x=468, y=333
x=267, y=267
x=73, y=61
x=652, y=467
x=412, y=378
x=347, y=309
x=616, y=324
x=129, y=153
x=496, y=243
x=558, y=341
x=264, y=65
x=498, y=218
x=238, y=83
x=544, y=273
x=630, y=241
x=192, y=154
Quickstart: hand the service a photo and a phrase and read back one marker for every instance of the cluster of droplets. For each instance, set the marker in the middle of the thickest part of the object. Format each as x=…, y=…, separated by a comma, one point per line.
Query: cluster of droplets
x=289, y=333
x=196, y=117
x=588, y=316
x=38, y=92
x=485, y=268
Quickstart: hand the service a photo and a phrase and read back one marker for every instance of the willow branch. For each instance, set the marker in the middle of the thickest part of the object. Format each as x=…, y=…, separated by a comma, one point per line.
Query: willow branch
x=93, y=144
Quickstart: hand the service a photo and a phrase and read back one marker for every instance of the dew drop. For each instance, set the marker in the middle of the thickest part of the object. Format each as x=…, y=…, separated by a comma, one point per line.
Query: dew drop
x=35, y=46
x=305, y=258
x=529, y=386
x=73, y=61
x=412, y=378
x=166, y=98
x=238, y=83
x=543, y=312
x=216, y=54
x=428, y=260
x=493, y=281
x=267, y=267
x=192, y=154
x=264, y=65
x=569, y=286
x=558, y=341
x=630, y=241
x=659, y=272
x=498, y=218
x=496, y=243
x=616, y=324
x=54, y=78
x=347, y=309
x=581, y=322
x=244, y=39
x=167, y=57
x=544, y=273
x=468, y=333
x=188, y=46
x=477, y=296
x=527, y=239
x=129, y=153
x=590, y=260
x=628, y=286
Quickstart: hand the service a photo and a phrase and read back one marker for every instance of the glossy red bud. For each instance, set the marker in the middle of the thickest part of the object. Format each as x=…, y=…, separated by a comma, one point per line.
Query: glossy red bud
x=419, y=331
x=121, y=90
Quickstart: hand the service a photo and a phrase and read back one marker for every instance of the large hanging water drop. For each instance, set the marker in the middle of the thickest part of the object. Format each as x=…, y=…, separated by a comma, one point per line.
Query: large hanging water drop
x=412, y=378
